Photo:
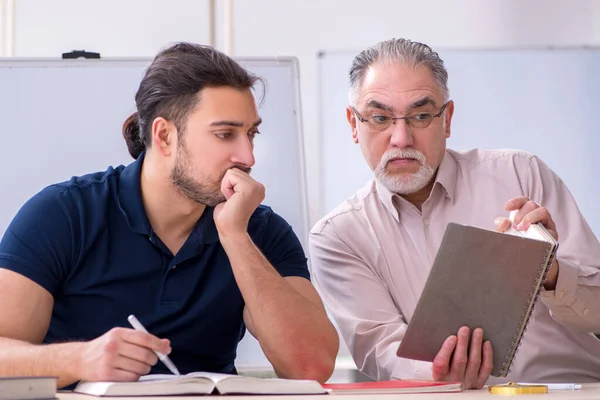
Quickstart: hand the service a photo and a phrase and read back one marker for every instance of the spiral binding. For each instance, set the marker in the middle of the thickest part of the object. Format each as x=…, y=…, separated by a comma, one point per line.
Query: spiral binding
x=528, y=310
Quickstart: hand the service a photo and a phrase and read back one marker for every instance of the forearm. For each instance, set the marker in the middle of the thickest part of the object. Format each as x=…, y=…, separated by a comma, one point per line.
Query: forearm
x=18, y=358
x=293, y=331
x=574, y=300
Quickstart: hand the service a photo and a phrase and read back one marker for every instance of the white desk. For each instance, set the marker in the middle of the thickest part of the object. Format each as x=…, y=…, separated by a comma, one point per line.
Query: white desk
x=589, y=391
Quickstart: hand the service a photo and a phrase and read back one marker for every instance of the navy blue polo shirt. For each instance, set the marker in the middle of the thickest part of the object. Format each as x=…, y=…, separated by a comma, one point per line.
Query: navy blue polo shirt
x=88, y=242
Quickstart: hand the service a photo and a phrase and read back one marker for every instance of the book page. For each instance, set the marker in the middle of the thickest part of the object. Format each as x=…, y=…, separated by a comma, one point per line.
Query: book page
x=535, y=231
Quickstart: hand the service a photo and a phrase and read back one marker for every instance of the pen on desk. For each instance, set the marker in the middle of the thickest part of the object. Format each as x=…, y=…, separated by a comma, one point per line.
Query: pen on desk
x=137, y=325
x=556, y=386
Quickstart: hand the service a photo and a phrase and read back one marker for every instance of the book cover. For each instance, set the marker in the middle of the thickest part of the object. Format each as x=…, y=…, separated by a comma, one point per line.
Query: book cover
x=484, y=279
x=394, y=386
x=28, y=387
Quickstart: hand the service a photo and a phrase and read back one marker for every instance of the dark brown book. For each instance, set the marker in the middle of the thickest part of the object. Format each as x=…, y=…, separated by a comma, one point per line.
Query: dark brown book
x=484, y=279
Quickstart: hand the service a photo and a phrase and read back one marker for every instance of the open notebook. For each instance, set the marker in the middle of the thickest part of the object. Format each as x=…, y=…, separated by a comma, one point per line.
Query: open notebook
x=481, y=278
x=199, y=383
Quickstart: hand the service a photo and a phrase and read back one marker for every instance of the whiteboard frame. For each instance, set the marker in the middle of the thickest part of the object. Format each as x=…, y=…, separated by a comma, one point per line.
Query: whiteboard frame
x=52, y=62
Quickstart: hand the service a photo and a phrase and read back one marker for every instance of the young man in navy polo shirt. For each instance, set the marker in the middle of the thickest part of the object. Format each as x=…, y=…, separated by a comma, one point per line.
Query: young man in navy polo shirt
x=178, y=238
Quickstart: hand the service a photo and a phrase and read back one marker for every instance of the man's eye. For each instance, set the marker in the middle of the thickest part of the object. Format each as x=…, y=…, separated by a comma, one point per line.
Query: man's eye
x=252, y=134
x=422, y=117
x=223, y=135
x=380, y=119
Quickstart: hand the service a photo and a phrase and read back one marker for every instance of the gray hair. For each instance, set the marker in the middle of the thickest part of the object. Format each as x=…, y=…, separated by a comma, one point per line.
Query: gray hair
x=397, y=50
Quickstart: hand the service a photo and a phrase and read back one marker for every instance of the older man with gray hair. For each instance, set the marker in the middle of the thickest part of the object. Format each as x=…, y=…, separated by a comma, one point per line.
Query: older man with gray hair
x=372, y=255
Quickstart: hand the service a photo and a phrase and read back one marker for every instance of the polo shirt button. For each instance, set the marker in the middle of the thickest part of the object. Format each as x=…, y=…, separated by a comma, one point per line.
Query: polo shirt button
x=561, y=294
x=426, y=221
x=151, y=239
x=174, y=266
x=585, y=311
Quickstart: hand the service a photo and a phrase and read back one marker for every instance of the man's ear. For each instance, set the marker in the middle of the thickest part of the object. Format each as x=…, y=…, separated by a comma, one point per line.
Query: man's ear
x=351, y=117
x=164, y=135
x=448, y=117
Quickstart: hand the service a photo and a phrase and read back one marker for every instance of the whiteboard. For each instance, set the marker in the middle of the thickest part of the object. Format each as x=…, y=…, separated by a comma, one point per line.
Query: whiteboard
x=62, y=118
x=540, y=100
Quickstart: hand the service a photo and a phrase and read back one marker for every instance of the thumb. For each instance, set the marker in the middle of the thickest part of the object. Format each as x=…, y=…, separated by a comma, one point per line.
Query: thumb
x=502, y=224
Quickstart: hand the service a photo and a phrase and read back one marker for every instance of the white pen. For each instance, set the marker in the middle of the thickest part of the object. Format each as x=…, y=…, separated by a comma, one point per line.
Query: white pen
x=556, y=386
x=137, y=325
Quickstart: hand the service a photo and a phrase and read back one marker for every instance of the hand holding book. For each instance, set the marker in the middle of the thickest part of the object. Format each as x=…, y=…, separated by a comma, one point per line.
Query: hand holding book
x=461, y=360
x=526, y=216
x=496, y=280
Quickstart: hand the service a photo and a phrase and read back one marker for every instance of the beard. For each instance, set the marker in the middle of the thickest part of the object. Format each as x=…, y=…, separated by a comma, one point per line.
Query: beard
x=205, y=190
x=404, y=183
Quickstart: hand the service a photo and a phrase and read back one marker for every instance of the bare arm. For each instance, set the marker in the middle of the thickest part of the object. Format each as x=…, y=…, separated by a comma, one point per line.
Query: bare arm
x=25, y=311
x=24, y=320
x=285, y=314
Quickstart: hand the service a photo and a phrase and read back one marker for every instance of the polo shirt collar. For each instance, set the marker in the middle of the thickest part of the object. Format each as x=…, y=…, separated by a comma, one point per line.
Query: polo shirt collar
x=130, y=197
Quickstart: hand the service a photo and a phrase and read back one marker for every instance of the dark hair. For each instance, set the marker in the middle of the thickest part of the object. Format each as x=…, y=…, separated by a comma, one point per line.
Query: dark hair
x=171, y=85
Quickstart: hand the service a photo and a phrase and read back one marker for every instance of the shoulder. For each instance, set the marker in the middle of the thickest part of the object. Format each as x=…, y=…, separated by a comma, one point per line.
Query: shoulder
x=494, y=164
x=266, y=222
x=68, y=195
x=352, y=212
x=484, y=157
x=91, y=183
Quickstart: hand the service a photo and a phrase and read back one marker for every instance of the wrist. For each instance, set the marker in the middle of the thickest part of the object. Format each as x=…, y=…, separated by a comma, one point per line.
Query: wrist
x=552, y=276
x=233, y=237
x=71, y=354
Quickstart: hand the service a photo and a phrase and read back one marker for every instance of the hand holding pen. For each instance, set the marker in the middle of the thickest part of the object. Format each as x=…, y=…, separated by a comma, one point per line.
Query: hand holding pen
x=121, y=354
x=137, y=325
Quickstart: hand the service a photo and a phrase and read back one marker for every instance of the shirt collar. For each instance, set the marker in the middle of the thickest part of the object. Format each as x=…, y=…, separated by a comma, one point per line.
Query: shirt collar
x=132, y=206
x=447, y=174
x=445, y=178
x=130, y=197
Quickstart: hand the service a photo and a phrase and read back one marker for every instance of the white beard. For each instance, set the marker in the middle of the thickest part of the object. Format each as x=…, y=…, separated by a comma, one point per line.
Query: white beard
x=405, y=183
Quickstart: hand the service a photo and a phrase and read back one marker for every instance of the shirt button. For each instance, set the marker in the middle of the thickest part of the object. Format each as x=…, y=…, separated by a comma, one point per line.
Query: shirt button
x=561, y=294
x=426, y=221
x=151, y=239
x=174, y=266
x=585, y=311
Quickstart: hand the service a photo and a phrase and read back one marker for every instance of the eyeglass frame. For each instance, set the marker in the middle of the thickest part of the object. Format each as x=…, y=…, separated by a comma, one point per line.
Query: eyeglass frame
x=406, y=118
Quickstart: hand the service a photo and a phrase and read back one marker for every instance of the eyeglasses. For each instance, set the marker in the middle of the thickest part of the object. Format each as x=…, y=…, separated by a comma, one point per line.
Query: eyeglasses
x=381, y=122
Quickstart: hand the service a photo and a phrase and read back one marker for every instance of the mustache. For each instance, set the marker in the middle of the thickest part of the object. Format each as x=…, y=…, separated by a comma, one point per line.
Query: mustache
x=403, y=153
x=242, y=168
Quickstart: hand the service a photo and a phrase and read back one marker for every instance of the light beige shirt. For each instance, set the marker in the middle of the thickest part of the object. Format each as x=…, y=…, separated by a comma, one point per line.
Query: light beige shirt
x=371, y=256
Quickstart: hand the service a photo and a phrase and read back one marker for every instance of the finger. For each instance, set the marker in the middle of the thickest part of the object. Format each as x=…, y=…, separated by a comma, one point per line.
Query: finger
x=487, y=363
x=460, y=358
x=228, y=184
x=502, y=224
x=146, y=340
x=528, y=207
x=441, y=362
x=475, y=350
x=540, y=214
x=133, y=366
x=515, y=203
x=111, y=374
x=242, y=177
x=138, y=353
x=239, y=172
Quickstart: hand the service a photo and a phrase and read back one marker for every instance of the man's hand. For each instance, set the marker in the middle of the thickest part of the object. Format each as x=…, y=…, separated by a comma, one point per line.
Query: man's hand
x=455, y=363
x=243, y=195
x=121, y=354
x=529, y=212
